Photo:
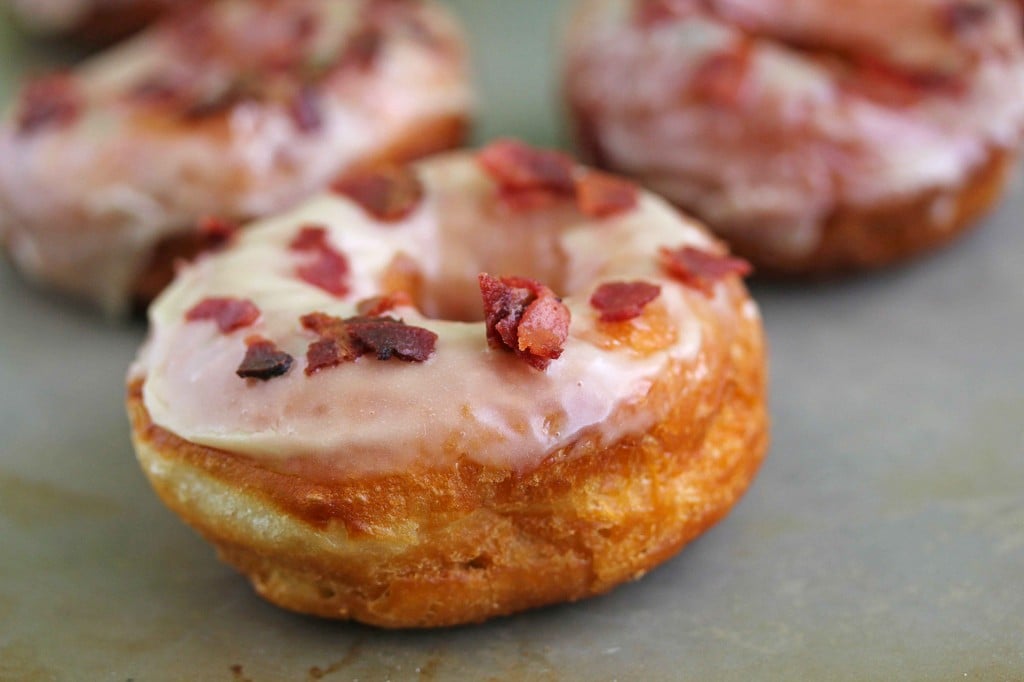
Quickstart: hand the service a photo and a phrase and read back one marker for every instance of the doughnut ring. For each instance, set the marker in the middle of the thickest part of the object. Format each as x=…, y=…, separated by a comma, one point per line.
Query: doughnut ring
x=815, y=136
x=478, y=384
x=233, y=109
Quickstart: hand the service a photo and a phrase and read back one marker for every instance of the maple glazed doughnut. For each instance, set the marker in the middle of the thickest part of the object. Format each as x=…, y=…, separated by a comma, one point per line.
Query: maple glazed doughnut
x=483, y=383
x=233, y=109
x=816, y=136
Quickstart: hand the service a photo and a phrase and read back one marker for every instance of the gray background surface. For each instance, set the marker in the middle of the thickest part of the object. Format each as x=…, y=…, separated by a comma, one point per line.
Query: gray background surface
x=884, y=538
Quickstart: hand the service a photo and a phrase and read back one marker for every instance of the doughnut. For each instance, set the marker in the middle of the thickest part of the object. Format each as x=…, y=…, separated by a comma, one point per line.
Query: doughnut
x=93, y=21
x=231, y=111
x=485, y=382
x=816, y=137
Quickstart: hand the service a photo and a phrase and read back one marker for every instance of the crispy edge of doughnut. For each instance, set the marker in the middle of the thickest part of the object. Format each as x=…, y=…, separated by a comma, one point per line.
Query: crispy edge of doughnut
x=429, y=549
x=866, y=238
x=423, y=138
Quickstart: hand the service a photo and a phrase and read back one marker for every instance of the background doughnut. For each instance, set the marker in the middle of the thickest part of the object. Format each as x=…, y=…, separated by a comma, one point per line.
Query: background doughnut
x=815, y=136
x=235, y=110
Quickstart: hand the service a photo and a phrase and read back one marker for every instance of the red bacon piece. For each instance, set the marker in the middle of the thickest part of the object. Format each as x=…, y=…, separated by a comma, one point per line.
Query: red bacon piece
x=653, y=12
x=305, y=110
x=51, y=101
x=720, y=78
x=960, y=16
x=217, y=232
x=600, y=195
x=388, y=194
x=363, y=49
x=525, y=317
x=346, y=340
x=700, y=269
x=390, y=338
x=378, y=305
x=516, y=166
x=229, y=313
x=893, y=86
x=263, y=360
x=332, y=348
x=621, y=301
x=328, y=269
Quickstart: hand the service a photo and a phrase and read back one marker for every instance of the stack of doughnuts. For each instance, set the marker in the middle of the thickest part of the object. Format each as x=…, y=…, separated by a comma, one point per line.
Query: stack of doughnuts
x=482, y=383
x=816, y=136
x=234, y=109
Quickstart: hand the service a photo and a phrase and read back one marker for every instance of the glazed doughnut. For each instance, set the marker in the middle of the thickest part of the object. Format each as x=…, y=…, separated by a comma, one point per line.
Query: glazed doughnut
x=92, y=21
x=236, y=110
x=483, y=383
x=815, y=136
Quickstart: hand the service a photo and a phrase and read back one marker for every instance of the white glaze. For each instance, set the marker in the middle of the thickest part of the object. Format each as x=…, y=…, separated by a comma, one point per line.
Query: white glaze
x=796, y=147
x=82, y=206
x=467, y=399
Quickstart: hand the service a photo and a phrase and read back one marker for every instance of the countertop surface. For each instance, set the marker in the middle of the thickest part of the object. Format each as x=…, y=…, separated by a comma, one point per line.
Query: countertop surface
x=883, y=539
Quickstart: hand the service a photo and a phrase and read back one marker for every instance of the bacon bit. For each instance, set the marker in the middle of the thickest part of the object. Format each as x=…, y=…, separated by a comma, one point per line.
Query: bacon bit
x=310, y=238
x=49, y=101
x=959, y=17
x=334, y=345
x=600, y=195
x=305, y=110
x=516, y=166
x=652, y=12
x=216, y=232
x=390, y=338
x=889, y=85
x=378, y=305
x=263, y=360
x=700, y=269
x=389, y=193
x=362, y=50
x=229, y=313
x=326, y=353
x=525, y=317
x=346, y=340
x=324, y=325
x=721, y=77
x=158, y=90
x=329, y=269
x=211, y=105
x=621, y=301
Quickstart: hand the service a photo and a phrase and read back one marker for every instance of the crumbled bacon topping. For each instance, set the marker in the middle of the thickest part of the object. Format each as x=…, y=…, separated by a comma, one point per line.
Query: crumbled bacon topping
x=346, y=340
x=328, y=268
x=363, y=49
x=230, y=314
x=390, y=338
x=621, y=301
x=721, y=77
x=525, y=317
x=518, y=167
x=389, y=193
x=890, y=85
x=304, y=109
x=600, y=195
x=378, y=305
x=701, y=269
x=653, y=12
x=263, y=360
x=961, y=16
x=217, y=232
x=49, y=101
